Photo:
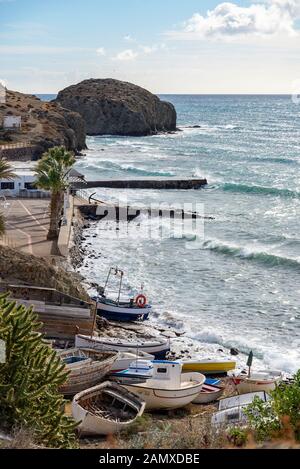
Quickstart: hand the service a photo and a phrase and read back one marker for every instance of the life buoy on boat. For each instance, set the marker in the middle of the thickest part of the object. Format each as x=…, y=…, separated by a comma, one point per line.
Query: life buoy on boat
x=141, y=301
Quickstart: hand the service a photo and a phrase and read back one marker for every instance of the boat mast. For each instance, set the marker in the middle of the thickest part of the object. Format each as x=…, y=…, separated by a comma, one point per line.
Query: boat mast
x=106, y=283
x=120, y=288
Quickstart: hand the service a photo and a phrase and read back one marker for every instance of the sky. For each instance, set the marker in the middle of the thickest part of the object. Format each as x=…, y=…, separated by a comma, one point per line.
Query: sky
x=166, y=46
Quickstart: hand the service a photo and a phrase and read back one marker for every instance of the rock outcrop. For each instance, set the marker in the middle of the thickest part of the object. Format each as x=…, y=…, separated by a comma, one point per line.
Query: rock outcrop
x=44, y=125
x=112, y=107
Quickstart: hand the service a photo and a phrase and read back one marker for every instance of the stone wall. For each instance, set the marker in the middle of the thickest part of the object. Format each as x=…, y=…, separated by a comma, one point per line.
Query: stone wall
x=18, y=153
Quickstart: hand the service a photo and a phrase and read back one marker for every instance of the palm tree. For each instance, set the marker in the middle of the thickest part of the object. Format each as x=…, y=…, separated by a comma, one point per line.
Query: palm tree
x=52, y=175
x=7, y=173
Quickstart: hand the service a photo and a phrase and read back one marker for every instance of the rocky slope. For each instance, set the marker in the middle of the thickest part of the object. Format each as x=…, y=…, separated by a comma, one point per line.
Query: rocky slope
x=112, y=107
x=24, y=269
x=43, y=124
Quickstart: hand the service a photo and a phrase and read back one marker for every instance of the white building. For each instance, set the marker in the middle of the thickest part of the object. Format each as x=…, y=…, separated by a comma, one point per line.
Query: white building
x=12, y=122
x=22, y=185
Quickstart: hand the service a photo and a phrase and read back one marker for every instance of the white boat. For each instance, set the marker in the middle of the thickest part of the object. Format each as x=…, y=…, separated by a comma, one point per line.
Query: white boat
x=126, y=359
x=168, y=388
x=138, y=372
x=232, y=410
x=243, y=400
x=157, y=347
x=208, y=394
x=257, y=381
x=86, y=368
x=105, y=409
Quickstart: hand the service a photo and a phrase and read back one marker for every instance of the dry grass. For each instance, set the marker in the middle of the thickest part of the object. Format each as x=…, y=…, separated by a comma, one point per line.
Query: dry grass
x=20, y=439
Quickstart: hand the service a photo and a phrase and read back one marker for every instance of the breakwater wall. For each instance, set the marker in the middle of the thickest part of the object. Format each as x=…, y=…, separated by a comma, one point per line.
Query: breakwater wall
x=146, y=183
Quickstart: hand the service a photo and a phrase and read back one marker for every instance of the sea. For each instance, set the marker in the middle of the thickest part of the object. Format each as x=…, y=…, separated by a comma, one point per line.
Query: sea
x=232, y=281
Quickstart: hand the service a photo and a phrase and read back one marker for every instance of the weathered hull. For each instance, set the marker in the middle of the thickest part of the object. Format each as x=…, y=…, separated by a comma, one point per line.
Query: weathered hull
x=157, y=348
x=92, y=422
x=88, y=374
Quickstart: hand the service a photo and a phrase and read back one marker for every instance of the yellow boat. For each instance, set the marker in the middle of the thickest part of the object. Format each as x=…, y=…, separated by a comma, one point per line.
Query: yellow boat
x=208, y=366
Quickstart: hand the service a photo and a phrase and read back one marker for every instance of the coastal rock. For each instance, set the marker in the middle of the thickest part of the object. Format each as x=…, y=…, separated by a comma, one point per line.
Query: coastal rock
x=112, y=107
x=234, y=352
x=44, y=125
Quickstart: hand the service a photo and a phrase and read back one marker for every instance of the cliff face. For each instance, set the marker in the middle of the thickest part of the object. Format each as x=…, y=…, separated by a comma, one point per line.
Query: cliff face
x=20, y=268
x=44, y=125
x=112, y=107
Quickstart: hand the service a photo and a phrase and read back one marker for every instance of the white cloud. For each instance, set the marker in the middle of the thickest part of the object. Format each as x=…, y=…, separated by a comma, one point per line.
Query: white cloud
x=266, y=18
x=129, y=38
x=101, y=51
x=126, y=55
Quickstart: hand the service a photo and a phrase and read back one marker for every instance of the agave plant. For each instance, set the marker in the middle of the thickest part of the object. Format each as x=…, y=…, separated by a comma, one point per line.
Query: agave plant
x=52, y=174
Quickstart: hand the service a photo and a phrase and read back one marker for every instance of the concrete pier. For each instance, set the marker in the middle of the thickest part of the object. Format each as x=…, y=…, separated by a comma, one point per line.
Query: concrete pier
x=145, y=183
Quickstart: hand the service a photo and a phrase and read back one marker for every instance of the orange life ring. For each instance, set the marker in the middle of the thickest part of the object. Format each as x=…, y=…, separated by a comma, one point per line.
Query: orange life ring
x=141, y=301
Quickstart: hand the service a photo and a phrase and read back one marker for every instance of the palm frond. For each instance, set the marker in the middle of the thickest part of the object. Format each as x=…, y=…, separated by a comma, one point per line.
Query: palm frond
x=6, y=171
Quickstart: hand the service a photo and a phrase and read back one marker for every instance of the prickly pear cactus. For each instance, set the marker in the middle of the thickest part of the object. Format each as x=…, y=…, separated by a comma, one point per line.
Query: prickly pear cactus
x=30, y=378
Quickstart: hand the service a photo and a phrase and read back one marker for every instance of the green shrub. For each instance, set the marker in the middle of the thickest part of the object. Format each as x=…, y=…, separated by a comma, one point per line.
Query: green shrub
x=269, y=419
x=30, y=378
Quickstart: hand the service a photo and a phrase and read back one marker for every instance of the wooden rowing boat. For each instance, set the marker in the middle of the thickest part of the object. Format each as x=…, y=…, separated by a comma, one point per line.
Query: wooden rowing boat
x=86, y=369
x=106, y=409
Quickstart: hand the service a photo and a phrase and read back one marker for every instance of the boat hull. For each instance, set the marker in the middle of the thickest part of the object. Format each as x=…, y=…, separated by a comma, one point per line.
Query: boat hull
x=92, y=424
x=166, y=399
x=87, y=375
x=122, y=314
x=208, y=395
x=158, y=349
x=208, y=367
x=246, y=385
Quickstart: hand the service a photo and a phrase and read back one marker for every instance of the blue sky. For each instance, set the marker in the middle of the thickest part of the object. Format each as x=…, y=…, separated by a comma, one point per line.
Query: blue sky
x=168, y=46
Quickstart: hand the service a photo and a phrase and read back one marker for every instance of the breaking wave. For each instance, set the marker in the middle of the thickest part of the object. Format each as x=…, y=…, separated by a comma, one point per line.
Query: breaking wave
x=266, y=258
x=260, y=190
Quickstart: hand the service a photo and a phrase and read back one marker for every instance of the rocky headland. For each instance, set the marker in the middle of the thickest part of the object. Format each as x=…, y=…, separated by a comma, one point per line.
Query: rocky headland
x=44, y=125
x=113, y=107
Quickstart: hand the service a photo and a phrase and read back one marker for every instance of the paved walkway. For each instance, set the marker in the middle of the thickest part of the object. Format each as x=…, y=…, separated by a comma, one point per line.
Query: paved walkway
x=27, y=223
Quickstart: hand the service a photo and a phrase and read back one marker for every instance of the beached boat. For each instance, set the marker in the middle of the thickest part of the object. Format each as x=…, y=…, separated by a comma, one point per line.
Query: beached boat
x=138, y=371
x=242, y=401
x=168, y=388
x=209, y=366
x=208, y=394
x=125, y=360
x=86, y=368
x=106, y=409
x=257, y=381
x=157, y=347
x=135, y=309
x=232, y=410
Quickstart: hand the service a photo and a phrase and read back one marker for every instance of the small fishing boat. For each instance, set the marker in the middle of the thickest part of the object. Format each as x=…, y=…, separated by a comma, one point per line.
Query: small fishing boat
x=208, y=394
x=209, y=367
x=138, y=371
x=168, y=388
x=242, y=401
x=135, y=309
x=257, y=381
x=157, y=347
x=125, y=360
x=232, y=410
x=106, y=409
x=86, y=368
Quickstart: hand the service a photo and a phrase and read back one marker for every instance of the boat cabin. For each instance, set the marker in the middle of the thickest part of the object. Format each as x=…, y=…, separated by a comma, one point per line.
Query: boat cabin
x=169, y=373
